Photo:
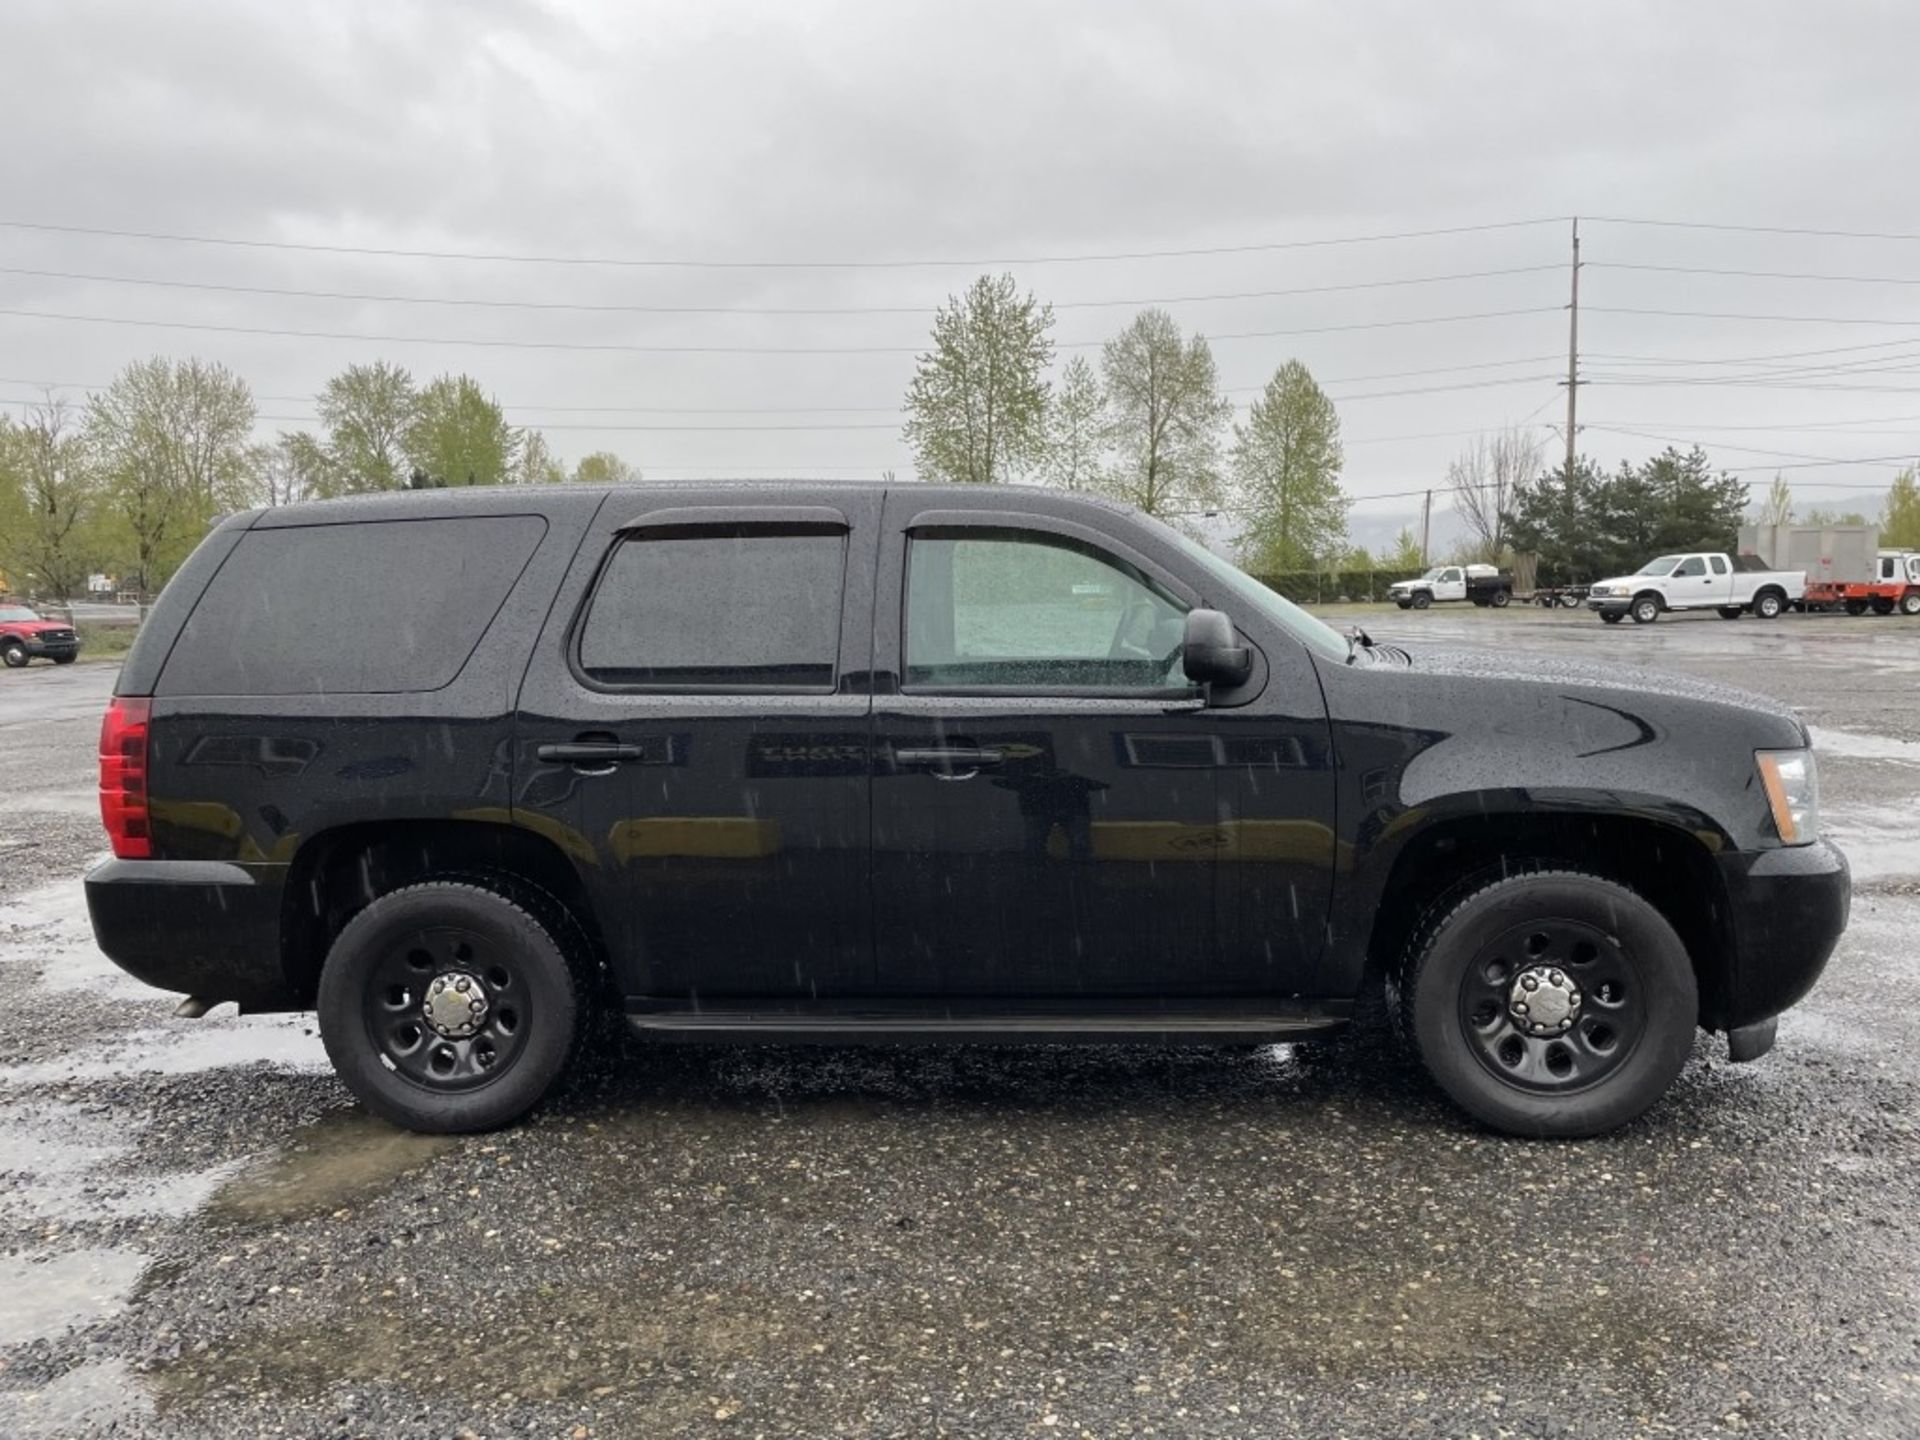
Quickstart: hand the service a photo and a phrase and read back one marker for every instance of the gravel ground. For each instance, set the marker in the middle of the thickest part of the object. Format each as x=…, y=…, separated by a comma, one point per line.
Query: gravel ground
x=200, y=1235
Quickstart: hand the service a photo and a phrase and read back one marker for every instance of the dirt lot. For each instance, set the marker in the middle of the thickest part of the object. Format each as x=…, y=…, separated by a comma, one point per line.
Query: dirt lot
x=200, y=1235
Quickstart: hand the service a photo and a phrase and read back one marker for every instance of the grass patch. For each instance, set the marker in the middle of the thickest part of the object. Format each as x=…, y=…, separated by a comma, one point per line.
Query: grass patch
x=106, y=642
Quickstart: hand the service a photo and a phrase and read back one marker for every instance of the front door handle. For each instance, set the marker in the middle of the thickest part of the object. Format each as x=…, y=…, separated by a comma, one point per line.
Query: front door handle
x=595, y=757
x=950, y=762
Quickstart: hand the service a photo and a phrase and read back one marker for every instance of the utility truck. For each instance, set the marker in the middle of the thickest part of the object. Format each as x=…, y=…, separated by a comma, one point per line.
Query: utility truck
x=1482, y=584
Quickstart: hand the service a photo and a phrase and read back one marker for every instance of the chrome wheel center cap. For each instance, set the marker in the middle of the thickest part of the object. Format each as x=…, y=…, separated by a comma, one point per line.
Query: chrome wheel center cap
x=1544, y=1001
x=455, y=1004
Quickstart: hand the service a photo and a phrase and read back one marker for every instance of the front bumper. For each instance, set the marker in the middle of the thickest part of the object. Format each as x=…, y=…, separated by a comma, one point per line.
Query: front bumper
x=1786, y=910
x=206, y=928
x=51, y=649
x=1608, y=602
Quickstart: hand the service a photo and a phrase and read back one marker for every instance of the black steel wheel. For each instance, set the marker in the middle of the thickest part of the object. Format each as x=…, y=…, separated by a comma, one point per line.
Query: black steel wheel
x=1549, y=1004
x=1501, y=599
x=1730, y=612
x=1882, y=605
x=1855, y=607
x=448, y=1007
x=1612, y=617
x=1422, y=599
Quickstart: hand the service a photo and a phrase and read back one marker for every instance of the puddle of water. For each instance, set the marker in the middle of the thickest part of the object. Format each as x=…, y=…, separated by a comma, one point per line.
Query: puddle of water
x=344, y=1158
x=183, y=1047
x=58, y=1163
x=89, y=1399
x=41, y=1298
x=1863, y=747
x=1879, y=840
x=48, y=928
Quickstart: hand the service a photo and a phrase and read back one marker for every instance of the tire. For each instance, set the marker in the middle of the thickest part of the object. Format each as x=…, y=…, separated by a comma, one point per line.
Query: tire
x=533, y=980
x=1856, y=607
x=1645, y=609
x=1500, y=599
x=1612, y=617
x=65, y=659
x=1404, y=604
x=1768, y=604
x=1456, y=989
x=1571, y=602
x=1910, y=603
x=13, y=655
x=1422, y=600
x=1882, y=606
x=1731, y=612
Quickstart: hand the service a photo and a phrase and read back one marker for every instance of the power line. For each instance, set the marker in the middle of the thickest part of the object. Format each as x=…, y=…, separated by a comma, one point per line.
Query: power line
x=614, y=347
x=1751, y=229
x=369, y=297
x=1729, y=315
x=1758, y=274
x=690, y=264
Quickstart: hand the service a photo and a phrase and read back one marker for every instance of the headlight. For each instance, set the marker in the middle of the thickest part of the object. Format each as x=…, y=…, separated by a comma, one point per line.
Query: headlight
x=1793, y=793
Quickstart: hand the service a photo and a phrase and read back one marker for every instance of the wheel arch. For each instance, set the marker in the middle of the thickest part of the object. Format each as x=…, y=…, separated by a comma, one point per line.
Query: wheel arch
x=1665, y=863
x=336, y=874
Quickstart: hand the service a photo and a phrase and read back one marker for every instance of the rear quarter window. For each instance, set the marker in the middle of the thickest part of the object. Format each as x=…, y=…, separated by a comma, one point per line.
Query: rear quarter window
x=381, y=607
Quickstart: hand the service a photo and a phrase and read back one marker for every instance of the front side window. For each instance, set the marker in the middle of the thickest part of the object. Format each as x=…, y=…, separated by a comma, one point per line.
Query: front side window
x=726, y=609
x=1023, y=610
x=1451, y=576
x=1692, y=565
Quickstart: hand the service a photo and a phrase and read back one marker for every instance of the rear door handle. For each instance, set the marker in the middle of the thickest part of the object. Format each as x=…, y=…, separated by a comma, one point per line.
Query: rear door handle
x=606, y=753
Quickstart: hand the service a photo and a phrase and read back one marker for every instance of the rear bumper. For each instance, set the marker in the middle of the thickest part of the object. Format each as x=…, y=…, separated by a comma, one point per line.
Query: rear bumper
x=1786, y=909
x=201, y=927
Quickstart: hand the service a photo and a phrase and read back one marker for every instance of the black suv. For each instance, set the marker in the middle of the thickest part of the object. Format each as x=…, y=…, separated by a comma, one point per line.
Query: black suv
x=811, y=762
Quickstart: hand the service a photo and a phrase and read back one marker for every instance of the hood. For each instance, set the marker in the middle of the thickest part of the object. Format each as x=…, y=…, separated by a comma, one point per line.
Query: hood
x=1627, y=582
x=1534, y=669
x=35, y=627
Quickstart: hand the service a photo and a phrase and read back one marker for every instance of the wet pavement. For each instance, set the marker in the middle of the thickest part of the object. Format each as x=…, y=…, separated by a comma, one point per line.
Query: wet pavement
x=200, y=1235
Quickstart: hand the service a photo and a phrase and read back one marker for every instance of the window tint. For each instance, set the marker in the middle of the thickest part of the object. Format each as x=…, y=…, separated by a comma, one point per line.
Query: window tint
x=383, y=607
x=1692, y=565
x=1035, y=612
x=1719, y=563
x=712, y=610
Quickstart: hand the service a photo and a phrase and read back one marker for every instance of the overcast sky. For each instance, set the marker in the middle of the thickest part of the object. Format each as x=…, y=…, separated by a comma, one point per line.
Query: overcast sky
x=849, y=141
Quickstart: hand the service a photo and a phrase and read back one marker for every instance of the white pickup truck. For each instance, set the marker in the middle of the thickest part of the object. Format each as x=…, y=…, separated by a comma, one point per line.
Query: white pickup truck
x=1705, y=580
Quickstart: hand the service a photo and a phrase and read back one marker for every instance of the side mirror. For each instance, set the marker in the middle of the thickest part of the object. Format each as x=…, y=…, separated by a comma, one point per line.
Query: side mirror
x=1211, y=653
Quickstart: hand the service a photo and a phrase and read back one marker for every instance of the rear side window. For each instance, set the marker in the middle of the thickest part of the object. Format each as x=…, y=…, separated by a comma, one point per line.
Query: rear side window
x=384, y=607
x=1719, y=563
x=718, y=609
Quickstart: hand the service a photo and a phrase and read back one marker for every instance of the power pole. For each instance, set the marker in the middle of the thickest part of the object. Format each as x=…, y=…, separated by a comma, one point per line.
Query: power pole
x=1573, y=351
x=1426, y=527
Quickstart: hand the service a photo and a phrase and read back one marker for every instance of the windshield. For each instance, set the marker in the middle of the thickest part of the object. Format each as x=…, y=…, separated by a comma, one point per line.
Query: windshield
x=1435, y=573
x=16, y=613
x=1662, y=566
x=1297, y=622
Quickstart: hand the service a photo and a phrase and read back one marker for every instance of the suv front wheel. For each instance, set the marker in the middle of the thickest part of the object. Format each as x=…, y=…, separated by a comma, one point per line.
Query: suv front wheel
x=447, y=1007
x=1551, y=1004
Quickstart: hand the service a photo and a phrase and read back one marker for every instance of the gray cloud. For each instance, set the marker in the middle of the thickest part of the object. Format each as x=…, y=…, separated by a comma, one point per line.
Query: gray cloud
x=891, y=131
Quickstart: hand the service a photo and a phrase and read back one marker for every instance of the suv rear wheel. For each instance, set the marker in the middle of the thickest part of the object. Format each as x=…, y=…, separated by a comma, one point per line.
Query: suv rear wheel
x=1550, y=1004
x=448, y=1007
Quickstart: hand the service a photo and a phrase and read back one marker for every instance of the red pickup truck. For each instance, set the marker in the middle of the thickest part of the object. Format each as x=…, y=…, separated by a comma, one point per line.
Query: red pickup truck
x=23, y=635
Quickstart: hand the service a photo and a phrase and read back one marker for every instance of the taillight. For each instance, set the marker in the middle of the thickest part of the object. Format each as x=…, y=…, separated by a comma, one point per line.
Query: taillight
x=123, y=776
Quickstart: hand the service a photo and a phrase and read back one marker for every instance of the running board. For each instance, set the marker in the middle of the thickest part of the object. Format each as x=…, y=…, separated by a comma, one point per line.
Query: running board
x=790, y=1025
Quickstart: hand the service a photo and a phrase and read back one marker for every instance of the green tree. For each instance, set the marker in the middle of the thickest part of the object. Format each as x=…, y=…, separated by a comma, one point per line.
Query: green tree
x=1163, y=395
x=1556, y=518
x=1691, y=506
x=1900, y=516
x=172, y=443
x=296, y=467
x=603, y=467
x=1777, y=508
x=1286, y=465
x=1076, y=430
x=48, y=502
x=1819, y=516
x=365, y=413
x=458, y=435
x=1405, y=554
x=977, y=404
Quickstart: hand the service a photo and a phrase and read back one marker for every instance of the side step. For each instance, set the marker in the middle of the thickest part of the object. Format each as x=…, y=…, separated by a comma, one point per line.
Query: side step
x=934, y=1022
